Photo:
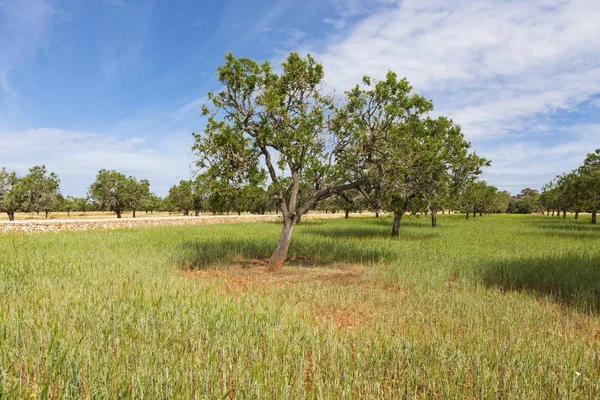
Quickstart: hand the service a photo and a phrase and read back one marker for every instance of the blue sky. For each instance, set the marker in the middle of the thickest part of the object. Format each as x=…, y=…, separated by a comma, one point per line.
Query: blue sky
x=118, y=84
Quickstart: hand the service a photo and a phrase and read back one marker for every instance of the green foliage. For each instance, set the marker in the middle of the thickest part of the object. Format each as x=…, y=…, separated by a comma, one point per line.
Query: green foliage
x=38, y=190
x=110, y=191
x=576, y=191
x=9, y=193
x=526, y=202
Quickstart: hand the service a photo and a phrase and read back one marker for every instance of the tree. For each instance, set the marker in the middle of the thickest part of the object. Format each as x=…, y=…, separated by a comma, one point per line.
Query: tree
x=136, y=193
x=590, y=181
x=81, y=204
x=277, y=120
x=180, y=197
x=378, y=121
x=68, y=204
x=109, y=191
x=9, y=197
x=39, y=190
x=406, y=157
x=152, y=202
x=525, y=202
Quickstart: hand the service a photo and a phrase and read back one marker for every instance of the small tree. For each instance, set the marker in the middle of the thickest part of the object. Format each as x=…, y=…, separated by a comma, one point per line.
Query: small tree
x=109, y=191
x=136, y=193
x=10, y=199
x=590, y=181
x=181, y=197
x=40, y=190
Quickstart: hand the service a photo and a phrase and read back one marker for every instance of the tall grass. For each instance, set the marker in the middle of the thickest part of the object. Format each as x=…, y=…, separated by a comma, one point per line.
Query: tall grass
x=502, y=306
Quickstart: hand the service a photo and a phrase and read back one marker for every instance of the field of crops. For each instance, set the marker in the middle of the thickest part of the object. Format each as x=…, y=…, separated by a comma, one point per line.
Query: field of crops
x=495, y=307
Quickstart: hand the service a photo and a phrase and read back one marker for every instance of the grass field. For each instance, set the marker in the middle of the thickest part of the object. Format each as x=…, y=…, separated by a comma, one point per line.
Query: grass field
x=493, y=307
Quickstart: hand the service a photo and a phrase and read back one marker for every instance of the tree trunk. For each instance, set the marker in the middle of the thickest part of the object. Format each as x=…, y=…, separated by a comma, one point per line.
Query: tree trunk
x=376, y=214
x=553, y=213
x=434, y=219
x=467, y=214
x=11, y=215
x=576, y=215
x=134, y=213
x=118, y=211
x=46, y=212
x=564, y=213
x=68, y=213
x=196, y=212
x=299, y=219
x=558, y=213
x=278, y=258
x=480, y=213
x=548, y=212
x=396, y=227
x=594, y=216
x=346, y=214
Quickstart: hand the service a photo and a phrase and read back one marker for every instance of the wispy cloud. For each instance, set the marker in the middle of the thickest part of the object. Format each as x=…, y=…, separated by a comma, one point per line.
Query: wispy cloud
x=24, y=32
x=499, y=59
x=496, y=67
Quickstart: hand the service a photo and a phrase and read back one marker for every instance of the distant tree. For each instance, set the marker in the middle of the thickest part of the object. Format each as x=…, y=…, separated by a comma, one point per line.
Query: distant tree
x=152, y=203
x=136, y=193
x=82, y=204
x=525, y=202
x=39, y=190
x=9, y=197
x=110, y=191
x=68, y=204
x=180, y=197
x=590, y=182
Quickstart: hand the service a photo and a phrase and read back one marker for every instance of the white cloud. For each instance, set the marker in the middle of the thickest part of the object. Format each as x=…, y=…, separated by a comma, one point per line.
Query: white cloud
x=494, y=66
x=486, y=63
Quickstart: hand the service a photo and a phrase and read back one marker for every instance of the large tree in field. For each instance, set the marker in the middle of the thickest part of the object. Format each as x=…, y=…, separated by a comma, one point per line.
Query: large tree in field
x=109, y=191
x=9, y=197
x=406, y=157
x=277, y=121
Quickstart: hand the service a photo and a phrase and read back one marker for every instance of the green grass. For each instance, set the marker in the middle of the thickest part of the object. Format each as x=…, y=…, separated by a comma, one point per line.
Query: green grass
x=502, y=306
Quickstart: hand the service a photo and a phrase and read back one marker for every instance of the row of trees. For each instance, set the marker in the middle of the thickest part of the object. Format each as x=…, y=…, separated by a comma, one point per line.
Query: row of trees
x=576, y=191
x=38, y=191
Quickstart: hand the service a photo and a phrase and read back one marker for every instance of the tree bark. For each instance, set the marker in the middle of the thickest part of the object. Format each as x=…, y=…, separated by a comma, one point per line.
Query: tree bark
x=553, y=213
x=594, y=216
x=564, y=213
x=46, y=212
x=376, y=214
x=196, y=212
x=434, y=219
x=576, y=215
x=118, y=211
x=278, y=258
x=396, y=227
x=68, y=213
x=467, y=213
x=11, y=215
x=346, y=214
